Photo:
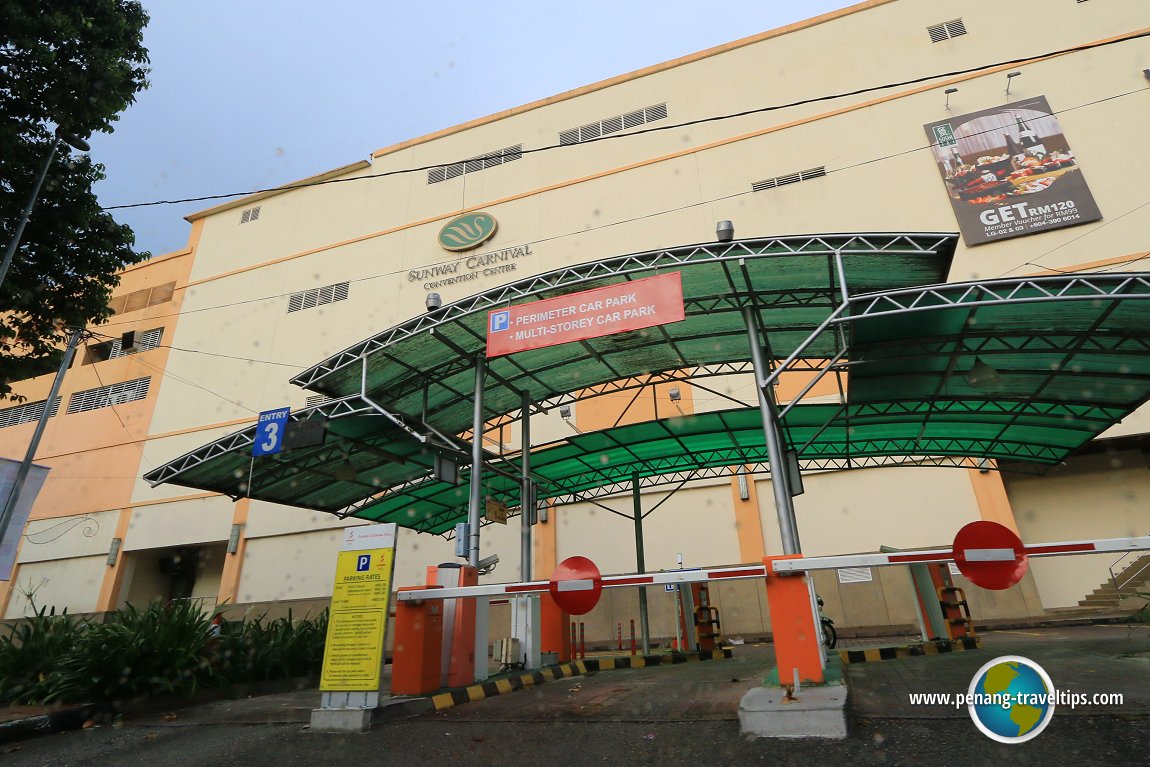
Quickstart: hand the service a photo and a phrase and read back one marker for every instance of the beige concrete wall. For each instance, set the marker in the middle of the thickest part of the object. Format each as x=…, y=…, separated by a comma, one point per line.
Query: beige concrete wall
x=204, y=520
x=296, y=566
x=860, y=510
x=696, y=522
x=1097, y=496
x=65, y=537
x=73, y=583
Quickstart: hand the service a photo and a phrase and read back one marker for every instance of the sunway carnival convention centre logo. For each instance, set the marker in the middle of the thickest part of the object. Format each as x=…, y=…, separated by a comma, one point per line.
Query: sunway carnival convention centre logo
x=1011, y=699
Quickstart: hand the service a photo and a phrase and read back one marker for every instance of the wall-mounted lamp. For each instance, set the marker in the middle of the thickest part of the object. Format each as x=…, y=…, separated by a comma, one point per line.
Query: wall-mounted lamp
x=984, y=466
x=676, y=396
x=744, y=489
x=433, y=301
x=1146, y=73
x=949, y=91
x=543, y=513
x=1010, y=76
x=114, y=551
x=234, y=538
x=725, y=231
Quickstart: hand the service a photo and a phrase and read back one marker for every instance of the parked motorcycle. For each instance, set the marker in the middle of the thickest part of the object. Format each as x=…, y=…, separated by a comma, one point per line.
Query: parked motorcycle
x=830, y=636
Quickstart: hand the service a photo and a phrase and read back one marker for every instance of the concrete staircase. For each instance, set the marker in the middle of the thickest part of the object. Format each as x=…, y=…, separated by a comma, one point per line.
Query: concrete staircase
x=1134, y=578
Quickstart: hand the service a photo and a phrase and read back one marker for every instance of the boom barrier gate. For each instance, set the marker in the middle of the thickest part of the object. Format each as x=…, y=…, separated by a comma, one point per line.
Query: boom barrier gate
x=798, y=650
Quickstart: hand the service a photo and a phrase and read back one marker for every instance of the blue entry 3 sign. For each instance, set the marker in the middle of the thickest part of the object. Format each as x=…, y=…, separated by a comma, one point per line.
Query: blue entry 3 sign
x=270, y=431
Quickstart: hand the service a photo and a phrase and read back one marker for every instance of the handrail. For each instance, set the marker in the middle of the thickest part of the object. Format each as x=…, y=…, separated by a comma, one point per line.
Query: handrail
x=1114, y=576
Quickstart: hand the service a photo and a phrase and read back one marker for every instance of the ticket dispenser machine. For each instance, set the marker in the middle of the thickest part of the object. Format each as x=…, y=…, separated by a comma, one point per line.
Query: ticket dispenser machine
x=417, y=659
x=458, y=653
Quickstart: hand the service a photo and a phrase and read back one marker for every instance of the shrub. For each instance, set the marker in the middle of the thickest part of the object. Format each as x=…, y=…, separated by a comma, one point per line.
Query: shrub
x=162, y=648
x=277, y=649
x=31, y=655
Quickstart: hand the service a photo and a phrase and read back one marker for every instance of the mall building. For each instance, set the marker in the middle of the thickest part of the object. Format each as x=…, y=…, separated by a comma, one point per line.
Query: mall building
x=1018, y=125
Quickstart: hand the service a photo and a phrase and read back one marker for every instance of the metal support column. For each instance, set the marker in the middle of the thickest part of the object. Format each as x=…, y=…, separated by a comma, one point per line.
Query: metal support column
x=780, y=476
x=476, y=501
x=526, y=494
x=9, y=507
x=640, y=562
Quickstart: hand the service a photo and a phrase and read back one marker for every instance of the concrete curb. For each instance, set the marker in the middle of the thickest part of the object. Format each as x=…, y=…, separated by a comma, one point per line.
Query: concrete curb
x=913, y=650
x=68, y=718
x=461, y=695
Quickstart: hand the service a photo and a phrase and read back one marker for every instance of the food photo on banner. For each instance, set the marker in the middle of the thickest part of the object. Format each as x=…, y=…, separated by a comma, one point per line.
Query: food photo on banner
x=1010, y=172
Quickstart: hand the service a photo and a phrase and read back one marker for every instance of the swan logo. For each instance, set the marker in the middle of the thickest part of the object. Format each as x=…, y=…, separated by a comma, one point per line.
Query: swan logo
x=467, y=231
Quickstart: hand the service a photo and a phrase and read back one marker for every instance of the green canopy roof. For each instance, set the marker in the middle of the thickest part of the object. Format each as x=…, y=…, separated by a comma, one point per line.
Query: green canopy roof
x=424, y=369
x=1020, y=371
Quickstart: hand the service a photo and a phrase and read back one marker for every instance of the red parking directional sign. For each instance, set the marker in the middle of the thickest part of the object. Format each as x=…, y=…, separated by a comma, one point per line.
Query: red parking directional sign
x=576, y=585
x=990, y=555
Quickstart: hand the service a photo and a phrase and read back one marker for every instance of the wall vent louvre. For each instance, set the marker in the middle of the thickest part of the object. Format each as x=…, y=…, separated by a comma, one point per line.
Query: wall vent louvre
x=309, y=299
x=855, y=575
x=110, y=396
x=946, y=30
x=141, y=299
x=614, y=124
x=790, y=178
x=475, y=164
x=316, y=399
x=251, y=214
x=26, y=413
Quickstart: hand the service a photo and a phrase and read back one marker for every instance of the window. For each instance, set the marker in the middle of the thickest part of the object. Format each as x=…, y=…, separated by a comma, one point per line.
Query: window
x=481, y=162
x=609, y=125
x=110, y=350
x=110, y=396
x=946, y=30
x=26, y=413
x=790, y=178
x=251, y=214
x=310, y=299
x=142, y=299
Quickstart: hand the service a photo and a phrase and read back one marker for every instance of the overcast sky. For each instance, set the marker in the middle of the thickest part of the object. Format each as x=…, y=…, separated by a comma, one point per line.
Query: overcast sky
x=247, y=94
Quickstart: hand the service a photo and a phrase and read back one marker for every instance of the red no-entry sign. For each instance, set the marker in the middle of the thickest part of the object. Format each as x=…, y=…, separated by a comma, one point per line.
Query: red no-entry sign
x=990, y=555
x=576, y=585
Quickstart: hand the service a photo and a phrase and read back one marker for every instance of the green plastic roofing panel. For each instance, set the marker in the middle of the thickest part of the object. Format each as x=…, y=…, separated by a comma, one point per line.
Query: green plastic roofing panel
x=1022, y=371
x=424, y=369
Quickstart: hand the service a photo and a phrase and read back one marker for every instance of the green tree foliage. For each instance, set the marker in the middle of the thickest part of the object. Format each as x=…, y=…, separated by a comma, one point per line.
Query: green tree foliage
x=76, y=65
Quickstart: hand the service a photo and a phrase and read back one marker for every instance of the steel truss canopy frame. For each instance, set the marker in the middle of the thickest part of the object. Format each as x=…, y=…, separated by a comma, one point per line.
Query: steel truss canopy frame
x=1019, y=371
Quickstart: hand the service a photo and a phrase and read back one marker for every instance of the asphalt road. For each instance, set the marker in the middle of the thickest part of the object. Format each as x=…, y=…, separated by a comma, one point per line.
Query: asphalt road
x=666, y=716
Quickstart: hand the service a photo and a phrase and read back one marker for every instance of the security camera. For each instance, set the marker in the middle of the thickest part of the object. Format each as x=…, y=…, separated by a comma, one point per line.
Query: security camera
x=433, y=302
x=487, y=564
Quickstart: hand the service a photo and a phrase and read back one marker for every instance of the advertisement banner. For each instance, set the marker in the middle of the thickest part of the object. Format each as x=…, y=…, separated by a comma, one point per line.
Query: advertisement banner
x=1010, y=172
x=28, y=493
x=594, y=313
x=360, y=600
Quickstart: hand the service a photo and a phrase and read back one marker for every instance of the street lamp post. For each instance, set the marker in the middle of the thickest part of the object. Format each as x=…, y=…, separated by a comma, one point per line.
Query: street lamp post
x=73, y=141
